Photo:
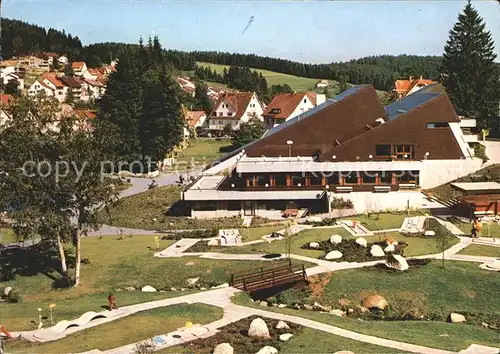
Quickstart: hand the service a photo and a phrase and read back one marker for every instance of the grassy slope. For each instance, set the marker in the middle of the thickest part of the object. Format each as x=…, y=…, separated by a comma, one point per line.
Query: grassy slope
x=112, y=264
x=459, y=287
x=273, y=78
x=490, y=229
x=479, y=250
x=256, y=233
x=147, y=211
x=127, y=330
x=202, y=152
x=383, y=221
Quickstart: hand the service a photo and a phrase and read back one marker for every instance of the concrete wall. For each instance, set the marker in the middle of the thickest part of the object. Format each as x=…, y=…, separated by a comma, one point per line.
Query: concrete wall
x=206, y=214
x=436, y=172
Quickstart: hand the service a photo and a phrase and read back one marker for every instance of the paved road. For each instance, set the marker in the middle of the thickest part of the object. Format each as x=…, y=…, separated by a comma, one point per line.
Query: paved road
x=140, y=185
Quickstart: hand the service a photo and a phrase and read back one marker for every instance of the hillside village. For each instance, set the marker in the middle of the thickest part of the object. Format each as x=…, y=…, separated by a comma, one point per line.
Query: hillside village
x=157, y=200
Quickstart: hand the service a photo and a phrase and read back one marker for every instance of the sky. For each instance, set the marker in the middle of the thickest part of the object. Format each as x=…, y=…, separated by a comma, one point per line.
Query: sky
x=305, y=31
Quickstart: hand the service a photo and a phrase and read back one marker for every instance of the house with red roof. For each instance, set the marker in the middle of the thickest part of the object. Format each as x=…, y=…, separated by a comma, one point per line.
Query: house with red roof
x=286, y=106
x=51, y=85
x=232, y=109
x=405, y=87
x=79, y=67
x=195, y=119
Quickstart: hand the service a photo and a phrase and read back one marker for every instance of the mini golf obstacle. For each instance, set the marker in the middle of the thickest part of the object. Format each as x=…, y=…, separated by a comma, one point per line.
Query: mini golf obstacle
x=265, y=277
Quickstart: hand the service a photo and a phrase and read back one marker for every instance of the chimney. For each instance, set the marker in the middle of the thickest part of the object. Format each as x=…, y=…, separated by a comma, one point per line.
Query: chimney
x=420, y=77
x=411, y=78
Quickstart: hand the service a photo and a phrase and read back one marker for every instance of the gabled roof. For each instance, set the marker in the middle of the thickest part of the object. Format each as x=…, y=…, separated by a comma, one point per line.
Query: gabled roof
x=238, y=101
x=53, y=79
x=93, y=71
x=85, y=113
x=192, y=117
x=94, y=82
x=403, y=86
x=286, y=103
x=77, y=65
x=71, y=81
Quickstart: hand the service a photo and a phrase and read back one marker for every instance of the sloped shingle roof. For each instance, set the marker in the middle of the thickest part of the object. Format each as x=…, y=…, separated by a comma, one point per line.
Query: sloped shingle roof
x=238, y=101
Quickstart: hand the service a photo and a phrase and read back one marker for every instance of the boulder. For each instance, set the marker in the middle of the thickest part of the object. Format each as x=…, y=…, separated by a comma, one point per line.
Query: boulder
x=377, y=251
x=263, y=303
x=213, y=242
x=429, y=233
x=130, y=288
x=362, y=309
x=314, y=245
x=337, y=312
x=282, y=325
x=192, y=281
x=335, y=239
x=268, y=350
x=375, y=301
x=308, y=307
x=389, y=249
x=319, y=307
x=258, y=328
x=391, y=241
x=7, y=290
x=148, y=289
x=190, y=263
x=173, y=289
x=361, y=241
x=282, y=306
x=457, y=318
x=223, y=348
x=344, y=352
x=397, y=262
x=313, y=219
x=285, y=337
x=333, y=255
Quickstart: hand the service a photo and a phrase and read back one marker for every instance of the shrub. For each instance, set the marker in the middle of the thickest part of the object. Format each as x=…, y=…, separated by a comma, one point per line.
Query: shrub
x=294, y=296
x=14, y=297
x=324, y=222
x=341, y=203
x=2, y=292
x=480, y=152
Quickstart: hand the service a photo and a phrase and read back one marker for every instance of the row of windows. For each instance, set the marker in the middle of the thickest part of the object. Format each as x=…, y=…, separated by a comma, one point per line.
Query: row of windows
x=398, y=152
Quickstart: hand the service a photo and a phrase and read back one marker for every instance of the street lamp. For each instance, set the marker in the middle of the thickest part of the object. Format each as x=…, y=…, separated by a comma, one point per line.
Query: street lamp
x=289, y=143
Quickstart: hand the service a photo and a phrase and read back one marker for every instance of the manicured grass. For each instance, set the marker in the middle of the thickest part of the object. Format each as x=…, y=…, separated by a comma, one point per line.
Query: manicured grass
x=417, y=246
x=383, y=221
x=490, y=229
x=7, y=236
x=201, y=152
x=298, y=240
x=112, y=263
x=274, y=78
x=315, y=341
x=256, y=233
x=480, y=250
x=459, y=287
x=149, y=210
x=140, y=326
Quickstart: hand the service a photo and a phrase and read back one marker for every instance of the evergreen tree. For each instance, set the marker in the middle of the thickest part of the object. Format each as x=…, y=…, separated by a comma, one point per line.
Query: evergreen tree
x=70, y=97
x=248, y=132
x=469, y=72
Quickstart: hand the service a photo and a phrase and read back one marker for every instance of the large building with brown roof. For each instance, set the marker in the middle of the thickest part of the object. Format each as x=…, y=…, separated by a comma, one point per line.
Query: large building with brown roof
x=351, y=147
x=285, y=106
x=232, y=109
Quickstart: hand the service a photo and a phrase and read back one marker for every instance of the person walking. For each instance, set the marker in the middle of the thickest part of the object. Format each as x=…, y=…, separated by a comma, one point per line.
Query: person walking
x=112, y=302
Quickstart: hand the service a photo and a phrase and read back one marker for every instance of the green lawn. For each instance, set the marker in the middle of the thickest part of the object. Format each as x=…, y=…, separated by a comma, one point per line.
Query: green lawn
x=315, y=341
x=7, y=236
x=112, y=264
x=140, y=326
x=201, y=152
x=417, y=246
x=490, y=229
x=480, y=250
x=256, y=233
x=273, y=78
x=148, y=210
x=383, y=221
x=460, y=287
x=298, y=240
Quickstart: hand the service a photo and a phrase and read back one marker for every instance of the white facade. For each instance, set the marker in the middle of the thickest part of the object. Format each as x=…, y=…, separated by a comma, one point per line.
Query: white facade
x=94, y=90
x=81, y=70
x=38, y=87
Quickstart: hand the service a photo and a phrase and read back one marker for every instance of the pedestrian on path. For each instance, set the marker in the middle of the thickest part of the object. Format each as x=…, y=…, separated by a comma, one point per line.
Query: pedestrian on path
x=112, y=302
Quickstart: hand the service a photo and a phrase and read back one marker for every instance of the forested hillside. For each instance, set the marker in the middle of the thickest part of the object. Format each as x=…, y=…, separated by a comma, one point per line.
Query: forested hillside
x=19, y=38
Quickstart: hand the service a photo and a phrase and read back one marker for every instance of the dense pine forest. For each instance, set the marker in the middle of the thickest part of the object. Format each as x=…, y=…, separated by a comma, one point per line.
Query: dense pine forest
x=20, y=38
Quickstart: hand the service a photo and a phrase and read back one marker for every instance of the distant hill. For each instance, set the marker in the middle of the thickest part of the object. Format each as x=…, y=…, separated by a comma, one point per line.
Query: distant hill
x=20, y=38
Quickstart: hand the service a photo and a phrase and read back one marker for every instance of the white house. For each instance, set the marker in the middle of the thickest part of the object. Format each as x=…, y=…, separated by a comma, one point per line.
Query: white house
x=322, y=84
x=51, y=85
x=95, y=88
x=79, y=67
x=234, y=108
x=286, y=106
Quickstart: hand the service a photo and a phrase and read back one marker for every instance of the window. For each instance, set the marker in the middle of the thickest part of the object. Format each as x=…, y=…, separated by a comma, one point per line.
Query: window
x=350, y=177
x=316, y=179
x=275, y=205
x=305, y=100
x=263, y=180
x=404, y=177
x=280, y=180
x=302, y=109
x=249, y=114
x=403, y=152
x=221, y=114
x=205, y=206
x=383, y=150
x=332, y=178
x=220, y=122
x=385, y=177
x=275, y=111
x=437, y=125
x=296, y=179
x=369, y=177
x=233, y=205
x=251, y=181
